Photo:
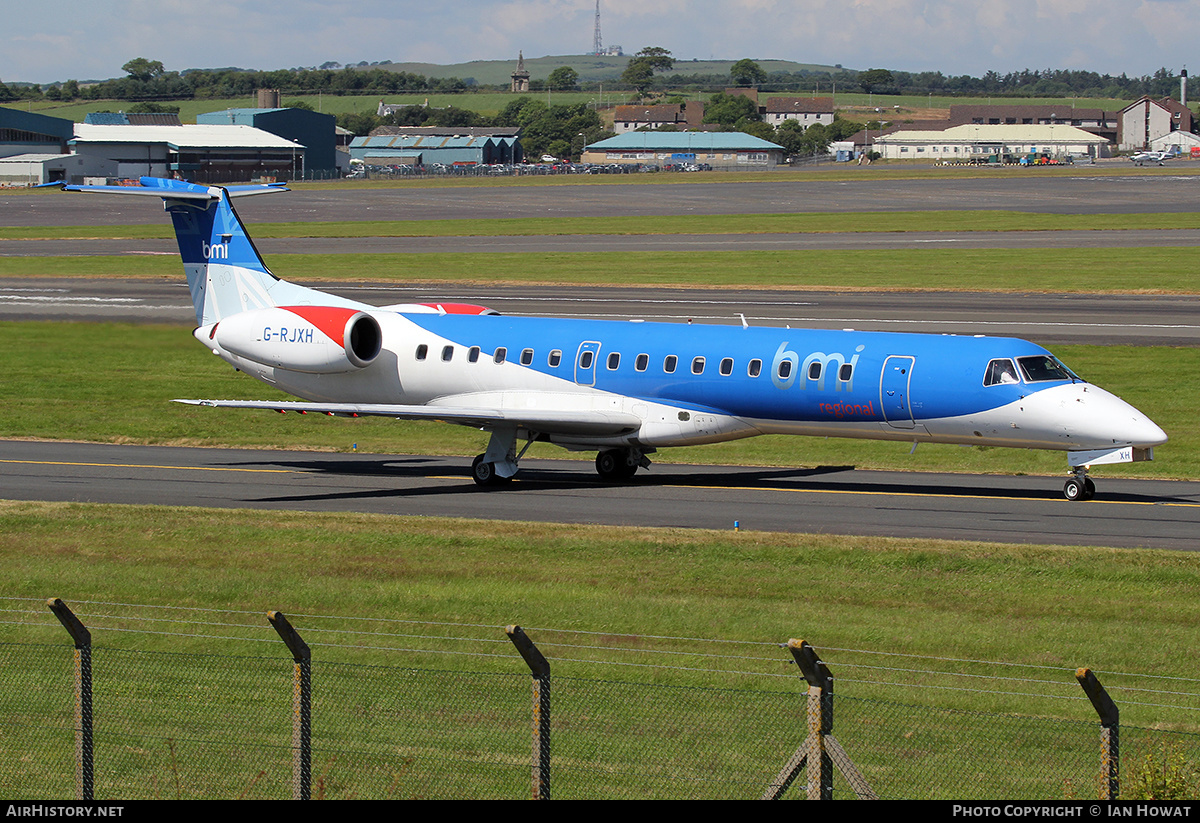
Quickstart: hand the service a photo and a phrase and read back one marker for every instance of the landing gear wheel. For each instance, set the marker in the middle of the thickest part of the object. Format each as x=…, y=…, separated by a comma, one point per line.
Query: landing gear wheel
x=483, y=473
x=614, y=464
x=1079, y=489
x=1072, y=489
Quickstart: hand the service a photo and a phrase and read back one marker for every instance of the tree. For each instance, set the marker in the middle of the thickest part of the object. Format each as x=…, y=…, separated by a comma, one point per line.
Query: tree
x=639, y=73
x=139, y=68
x=730, y=109
x=746, y=72
x=563, y=78
x=876, y=80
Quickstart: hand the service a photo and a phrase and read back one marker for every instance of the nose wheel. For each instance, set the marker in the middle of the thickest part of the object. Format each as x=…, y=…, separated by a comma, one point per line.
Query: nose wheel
x=1079, y=487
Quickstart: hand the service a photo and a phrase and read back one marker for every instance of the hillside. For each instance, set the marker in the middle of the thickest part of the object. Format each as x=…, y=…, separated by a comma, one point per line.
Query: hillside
x=591, y=68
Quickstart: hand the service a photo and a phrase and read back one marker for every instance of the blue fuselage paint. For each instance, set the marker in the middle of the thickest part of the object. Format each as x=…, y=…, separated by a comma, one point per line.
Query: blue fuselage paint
x=829, y=374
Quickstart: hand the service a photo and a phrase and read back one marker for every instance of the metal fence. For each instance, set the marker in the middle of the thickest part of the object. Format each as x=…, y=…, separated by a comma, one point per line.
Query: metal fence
x=380, y=718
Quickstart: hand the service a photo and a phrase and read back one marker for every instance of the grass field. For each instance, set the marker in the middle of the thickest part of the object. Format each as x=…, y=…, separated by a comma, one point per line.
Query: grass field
x=1161, y=270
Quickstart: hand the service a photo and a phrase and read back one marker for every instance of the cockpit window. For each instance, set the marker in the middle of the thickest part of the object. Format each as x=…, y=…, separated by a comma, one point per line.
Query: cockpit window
x=1044, y=367
x=1000, y=372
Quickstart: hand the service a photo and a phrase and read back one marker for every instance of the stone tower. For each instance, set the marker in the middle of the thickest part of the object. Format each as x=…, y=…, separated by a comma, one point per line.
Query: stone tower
x=520, y=77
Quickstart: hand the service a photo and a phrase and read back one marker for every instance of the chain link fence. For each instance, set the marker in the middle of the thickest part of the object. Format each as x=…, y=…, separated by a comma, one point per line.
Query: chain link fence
x=202, y=722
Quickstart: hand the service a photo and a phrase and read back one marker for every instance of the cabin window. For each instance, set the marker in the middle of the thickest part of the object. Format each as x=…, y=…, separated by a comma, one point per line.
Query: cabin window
x=814, y=370
x=526, y=357
x=422, y=351
x=669, y=363
x=1000, y=372
x=785, y=369
x=555, y=358
x=500, y=355
x=697, y=365
x=473, y=354
x=614, y=360
x=641, y=362
x=755, y=368
x=727, y=366
x=585, y=359
x=846, y=372
x=447, y=354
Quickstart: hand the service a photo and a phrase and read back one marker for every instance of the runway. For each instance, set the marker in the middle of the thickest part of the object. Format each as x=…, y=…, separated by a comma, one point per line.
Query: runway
x=830, y=500
x=1048, y=319
x=1149, y=192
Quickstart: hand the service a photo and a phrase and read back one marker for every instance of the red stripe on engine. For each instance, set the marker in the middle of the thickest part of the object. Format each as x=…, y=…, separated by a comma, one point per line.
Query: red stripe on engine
x=331, y=320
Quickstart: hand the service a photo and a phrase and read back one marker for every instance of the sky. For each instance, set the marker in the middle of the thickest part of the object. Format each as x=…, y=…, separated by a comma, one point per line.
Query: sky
x=91, y=40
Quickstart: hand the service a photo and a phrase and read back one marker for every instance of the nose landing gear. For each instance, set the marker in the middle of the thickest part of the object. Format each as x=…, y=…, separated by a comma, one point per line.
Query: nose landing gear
x=1079, y=486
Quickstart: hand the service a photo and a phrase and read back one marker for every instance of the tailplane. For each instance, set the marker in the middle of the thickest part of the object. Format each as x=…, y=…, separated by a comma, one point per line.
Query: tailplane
x=225, y=273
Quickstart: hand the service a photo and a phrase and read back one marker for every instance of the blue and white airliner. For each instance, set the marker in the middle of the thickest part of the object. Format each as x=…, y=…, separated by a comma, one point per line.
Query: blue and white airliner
x=622, y=389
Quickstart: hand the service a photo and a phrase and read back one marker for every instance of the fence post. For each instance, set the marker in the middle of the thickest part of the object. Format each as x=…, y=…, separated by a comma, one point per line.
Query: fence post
x=539, y=668
x=820, y=751
x=820, y=718
x=301, y=706
x=84, y=752
x=1110, y=733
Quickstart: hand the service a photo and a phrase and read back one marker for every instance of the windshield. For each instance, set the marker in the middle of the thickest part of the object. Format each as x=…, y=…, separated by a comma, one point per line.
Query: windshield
x=1045, y=367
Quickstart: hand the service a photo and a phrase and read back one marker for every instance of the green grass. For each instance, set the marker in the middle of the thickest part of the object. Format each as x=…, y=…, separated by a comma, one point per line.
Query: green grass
x=1158, y=270
x=165, y=678
x=810, y=223
x=114, y=396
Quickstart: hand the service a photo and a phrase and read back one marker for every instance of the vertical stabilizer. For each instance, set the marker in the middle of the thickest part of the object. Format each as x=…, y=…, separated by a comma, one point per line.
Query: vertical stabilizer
x=225, y=272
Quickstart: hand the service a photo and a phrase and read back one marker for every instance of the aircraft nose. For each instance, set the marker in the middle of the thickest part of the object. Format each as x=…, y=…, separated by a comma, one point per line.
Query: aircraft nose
x=1106, y=419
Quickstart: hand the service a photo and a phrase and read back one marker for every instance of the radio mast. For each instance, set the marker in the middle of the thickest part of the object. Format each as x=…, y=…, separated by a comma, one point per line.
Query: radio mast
x=597, y=43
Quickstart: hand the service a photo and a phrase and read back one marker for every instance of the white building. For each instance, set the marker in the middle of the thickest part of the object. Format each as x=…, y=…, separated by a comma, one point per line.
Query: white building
x=973, y=141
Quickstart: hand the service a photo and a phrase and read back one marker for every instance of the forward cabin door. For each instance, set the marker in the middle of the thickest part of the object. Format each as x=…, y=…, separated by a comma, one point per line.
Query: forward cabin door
x=894, y=384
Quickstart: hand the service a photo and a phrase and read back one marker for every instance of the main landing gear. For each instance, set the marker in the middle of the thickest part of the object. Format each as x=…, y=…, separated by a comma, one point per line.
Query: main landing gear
x=613, y=465
x=620, y=464
x=1079, y=486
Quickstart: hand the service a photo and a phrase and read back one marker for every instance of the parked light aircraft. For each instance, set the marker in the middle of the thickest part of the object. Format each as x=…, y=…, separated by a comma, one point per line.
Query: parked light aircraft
x=1143, y=157
x=622, y=389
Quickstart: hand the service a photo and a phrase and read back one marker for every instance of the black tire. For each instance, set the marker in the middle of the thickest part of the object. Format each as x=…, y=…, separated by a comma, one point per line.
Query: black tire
x=1073, y=489
x=613, y=465
x=1089, y=488
x=484, y=474
x=609, y=464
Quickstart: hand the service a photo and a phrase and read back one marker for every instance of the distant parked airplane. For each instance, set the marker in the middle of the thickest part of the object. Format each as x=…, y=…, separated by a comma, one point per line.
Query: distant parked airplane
x=1143, y=157
x=622, y=389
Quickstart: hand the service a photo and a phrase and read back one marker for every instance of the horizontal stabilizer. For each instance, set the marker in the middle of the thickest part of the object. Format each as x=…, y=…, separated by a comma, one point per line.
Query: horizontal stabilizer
x=174, y=189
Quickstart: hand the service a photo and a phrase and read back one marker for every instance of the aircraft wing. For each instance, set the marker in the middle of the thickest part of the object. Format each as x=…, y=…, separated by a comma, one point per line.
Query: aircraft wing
x=572, y=421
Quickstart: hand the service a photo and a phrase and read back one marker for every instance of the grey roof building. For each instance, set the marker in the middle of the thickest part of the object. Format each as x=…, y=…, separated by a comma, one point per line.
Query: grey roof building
x=726, y=150
x=426, y=145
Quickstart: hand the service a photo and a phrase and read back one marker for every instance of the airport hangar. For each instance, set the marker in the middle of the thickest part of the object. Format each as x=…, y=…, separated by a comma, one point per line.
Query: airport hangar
x=36, y=148
x=719, y=149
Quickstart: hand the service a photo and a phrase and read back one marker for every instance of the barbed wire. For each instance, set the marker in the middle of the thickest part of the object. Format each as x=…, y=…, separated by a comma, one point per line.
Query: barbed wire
x=606, y=648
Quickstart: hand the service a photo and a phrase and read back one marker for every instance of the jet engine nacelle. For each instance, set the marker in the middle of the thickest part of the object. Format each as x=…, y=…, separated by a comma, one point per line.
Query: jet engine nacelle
x=313, y=339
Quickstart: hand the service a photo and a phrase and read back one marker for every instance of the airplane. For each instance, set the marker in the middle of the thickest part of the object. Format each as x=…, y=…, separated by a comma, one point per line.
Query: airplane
x=1143, y=157
x=623, y=389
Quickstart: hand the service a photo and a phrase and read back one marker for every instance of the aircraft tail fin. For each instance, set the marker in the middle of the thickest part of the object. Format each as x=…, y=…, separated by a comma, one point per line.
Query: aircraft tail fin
x=225, y=272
